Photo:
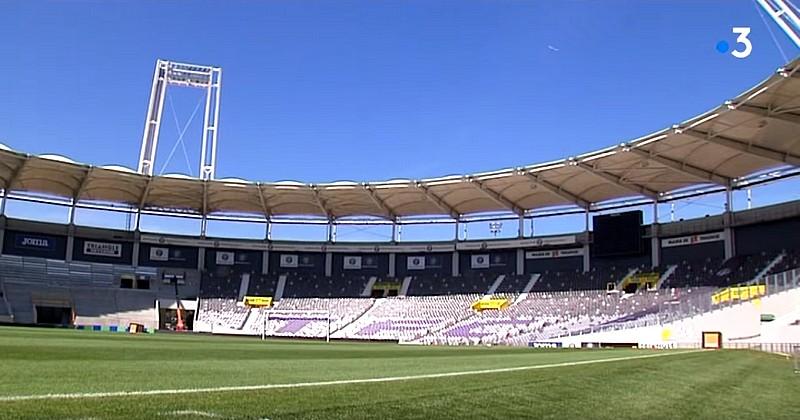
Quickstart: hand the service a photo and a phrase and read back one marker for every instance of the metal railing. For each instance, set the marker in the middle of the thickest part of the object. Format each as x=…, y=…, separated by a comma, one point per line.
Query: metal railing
x=780, y=348
x=698, y=302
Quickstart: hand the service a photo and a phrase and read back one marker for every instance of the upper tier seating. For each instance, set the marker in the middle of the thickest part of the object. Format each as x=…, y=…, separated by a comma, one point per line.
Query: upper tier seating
x=715, y=272
x=220, y=283
x=315, y=285
x=436, y=284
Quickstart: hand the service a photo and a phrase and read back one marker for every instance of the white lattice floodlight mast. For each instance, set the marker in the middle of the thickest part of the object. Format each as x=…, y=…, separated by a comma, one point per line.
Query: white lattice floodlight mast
x=185, y=75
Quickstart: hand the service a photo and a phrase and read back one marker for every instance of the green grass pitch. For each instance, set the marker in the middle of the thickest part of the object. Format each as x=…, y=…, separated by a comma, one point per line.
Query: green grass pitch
x=697, y=385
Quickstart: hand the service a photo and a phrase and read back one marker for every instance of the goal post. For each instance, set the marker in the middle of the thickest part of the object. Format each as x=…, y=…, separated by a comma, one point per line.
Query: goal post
x=796, y=357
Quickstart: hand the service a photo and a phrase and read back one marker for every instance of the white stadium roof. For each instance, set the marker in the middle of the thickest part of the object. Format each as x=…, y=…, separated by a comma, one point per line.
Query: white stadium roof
x=759, y=130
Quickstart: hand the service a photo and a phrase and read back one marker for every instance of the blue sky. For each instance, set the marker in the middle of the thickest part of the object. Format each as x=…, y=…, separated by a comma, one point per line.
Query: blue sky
x=322, y=91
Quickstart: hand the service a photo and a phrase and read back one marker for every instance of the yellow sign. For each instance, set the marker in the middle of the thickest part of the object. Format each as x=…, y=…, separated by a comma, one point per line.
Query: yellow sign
x=649, y=280
x=712, y=340
x=489, y=303
x=257, y=301
x=739, y=293
x=666, y=334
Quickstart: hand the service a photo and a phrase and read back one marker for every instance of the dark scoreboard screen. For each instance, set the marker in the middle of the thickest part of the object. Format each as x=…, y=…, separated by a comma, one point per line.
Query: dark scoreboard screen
x=618, y=233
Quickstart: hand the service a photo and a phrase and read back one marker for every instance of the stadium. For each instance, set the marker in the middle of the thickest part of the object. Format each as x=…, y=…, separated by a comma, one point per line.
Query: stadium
x=634, y=315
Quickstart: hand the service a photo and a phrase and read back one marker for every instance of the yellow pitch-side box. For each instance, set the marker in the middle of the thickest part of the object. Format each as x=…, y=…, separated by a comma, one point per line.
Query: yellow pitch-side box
x=489, y=303
x=257, y=301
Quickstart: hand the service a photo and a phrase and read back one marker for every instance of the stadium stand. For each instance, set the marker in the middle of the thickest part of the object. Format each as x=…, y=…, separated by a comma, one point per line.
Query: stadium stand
x=405, y=318
x=313, y=285
x=551, y=298
x=220, y=283
x=221, y=315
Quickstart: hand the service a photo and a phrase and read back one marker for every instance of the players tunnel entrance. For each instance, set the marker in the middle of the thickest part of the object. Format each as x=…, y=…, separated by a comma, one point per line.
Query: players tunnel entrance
x=54, y=308
x=54, y=315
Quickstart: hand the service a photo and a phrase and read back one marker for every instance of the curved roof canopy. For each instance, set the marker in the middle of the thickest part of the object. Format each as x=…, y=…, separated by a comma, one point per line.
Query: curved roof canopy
x=758, y=130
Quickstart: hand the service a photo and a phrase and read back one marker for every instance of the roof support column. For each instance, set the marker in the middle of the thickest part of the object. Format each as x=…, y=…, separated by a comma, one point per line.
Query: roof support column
x=268, y=232
x=392, y=264
x=394, y=232
x=655, y=244
x=70, y=232
x=3, y=203
x=204, y=219
x=328, y=264
x=70, y=243
x=521, y=228
x=71, y=216
x=587, y=261
x=727, y=221
x=457, y=226
x=203, y=226
x=265, y=262
x=586, y=220
x=136, y=247
x=456, y=270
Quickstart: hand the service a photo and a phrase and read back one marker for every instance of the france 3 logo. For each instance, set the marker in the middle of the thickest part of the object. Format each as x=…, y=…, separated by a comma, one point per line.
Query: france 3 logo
x=744, y=46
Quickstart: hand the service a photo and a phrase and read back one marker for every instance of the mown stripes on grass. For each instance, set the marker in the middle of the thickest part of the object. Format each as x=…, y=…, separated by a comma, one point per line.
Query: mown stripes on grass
x=86, y=395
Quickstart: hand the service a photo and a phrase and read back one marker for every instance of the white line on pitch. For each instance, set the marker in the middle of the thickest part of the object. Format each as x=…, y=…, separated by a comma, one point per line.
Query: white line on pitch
x=12, y=398
x=192, y=413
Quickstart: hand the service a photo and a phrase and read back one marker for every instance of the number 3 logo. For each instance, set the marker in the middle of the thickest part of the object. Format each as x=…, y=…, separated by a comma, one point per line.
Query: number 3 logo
x=743, y=32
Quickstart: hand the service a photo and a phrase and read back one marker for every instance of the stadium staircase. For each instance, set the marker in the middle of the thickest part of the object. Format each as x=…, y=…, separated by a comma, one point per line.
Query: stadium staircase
x=367, y=292
x=281, y=286
x=621, y=282
x=444, y=326
x=244, y=285
x=496, y=284
x=532, y=282
x=666, y=275
x=361, y=315
x=405, y=286
x=768, y=267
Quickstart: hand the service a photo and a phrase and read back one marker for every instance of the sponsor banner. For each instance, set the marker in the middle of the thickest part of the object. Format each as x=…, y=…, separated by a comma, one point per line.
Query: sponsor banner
x=434, y=261
x=352, y=262
x=159, y=254
x=369, y=262
x=203, y=243
x=691, y=240
x=416, y=263
x=289, y=261
x=257, y=301
x=306, y=261
x=34, y=242
x=102, y=249
x=554, y=253
x=480, y=261
x=519, y=243
x=225, y=257
x=498, y=261
x=554, y=240
x=544, y=345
